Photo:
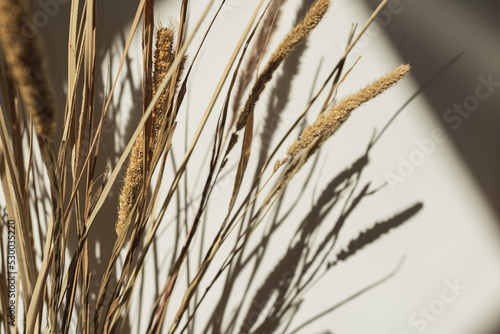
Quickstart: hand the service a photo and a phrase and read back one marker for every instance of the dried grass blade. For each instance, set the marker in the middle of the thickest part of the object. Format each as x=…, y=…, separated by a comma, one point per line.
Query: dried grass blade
x=15, y=203
x=147, y=50
x=245, y=156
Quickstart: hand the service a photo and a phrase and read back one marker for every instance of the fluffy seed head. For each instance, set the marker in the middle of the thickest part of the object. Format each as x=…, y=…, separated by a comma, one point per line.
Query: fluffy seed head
x=328, y=123
x=294, y=38
x=132, y=186
x=25, y=60
x=134, y=177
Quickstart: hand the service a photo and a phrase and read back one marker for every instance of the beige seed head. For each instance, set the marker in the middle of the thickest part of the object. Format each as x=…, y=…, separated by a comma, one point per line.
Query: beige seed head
x=25, y=60
x=328, y=123
x=164, y=56
x=134, y=176
x=294, y=38
x=132, y=186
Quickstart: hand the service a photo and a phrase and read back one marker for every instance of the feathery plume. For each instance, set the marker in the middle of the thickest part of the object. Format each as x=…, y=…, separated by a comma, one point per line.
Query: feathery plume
x=27, y=66
x=164, y=56
x=294, y=38
x=328, y=123
x=134, y=176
